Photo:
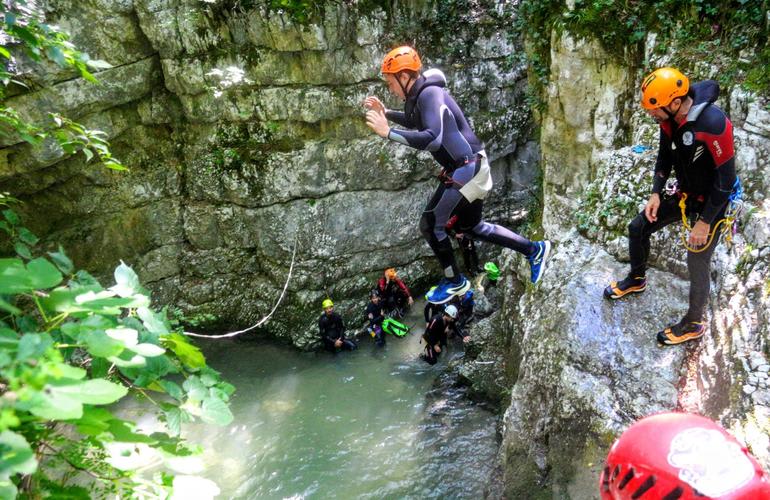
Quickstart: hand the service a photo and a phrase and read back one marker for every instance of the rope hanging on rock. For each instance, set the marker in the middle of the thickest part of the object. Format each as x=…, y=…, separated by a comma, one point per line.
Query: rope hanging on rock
x=263, y=320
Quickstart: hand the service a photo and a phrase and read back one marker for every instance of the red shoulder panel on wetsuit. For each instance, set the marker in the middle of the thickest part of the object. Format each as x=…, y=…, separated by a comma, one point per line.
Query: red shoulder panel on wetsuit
x=666, y=127
x=720, y=145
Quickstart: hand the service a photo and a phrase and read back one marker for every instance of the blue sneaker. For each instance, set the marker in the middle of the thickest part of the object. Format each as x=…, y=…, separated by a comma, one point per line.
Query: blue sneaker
x=537, y=261
x=447, y=289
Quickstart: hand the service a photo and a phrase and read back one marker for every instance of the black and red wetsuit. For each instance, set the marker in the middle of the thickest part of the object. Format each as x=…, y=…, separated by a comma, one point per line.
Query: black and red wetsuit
x=700, y=150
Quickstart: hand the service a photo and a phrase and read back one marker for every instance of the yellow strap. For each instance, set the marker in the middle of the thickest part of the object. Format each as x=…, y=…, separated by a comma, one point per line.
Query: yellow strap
x=726, y=223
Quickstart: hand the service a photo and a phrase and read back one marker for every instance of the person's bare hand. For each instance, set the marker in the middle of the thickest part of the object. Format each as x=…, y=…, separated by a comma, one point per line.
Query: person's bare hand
x=373, y=102
x=651, y=209
x=437, y=348
x=338, y=343
x=376, y=121
x=699, y=234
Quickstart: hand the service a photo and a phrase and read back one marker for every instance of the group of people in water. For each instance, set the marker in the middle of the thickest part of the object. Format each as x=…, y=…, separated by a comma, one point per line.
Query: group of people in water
x=389, y=301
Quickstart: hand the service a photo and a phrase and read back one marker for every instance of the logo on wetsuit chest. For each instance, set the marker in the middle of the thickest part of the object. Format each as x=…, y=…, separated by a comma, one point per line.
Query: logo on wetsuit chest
x=717, y=148
x=687, y=138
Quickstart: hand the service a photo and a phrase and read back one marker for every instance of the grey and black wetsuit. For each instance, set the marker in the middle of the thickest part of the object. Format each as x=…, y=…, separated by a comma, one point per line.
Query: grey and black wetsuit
x=439, y=126
x=700, y=150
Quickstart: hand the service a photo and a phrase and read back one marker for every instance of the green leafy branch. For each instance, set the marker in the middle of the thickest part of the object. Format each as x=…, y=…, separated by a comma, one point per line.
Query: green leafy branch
x=69, y=349
x=24, y=29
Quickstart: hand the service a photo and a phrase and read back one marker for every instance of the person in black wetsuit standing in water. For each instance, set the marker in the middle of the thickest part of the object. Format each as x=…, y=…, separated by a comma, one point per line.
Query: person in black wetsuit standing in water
x=440, y=127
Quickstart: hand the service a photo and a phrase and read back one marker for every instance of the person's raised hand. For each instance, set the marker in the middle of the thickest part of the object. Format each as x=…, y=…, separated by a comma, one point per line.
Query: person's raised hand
x=373, y=102
x=376, y=121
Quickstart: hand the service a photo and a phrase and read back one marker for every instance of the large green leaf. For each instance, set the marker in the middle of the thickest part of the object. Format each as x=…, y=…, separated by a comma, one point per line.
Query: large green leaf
x=5, y=306
x=152, y=321
x=94, y=392
x=43, y=274
x=9, y=339
x=98, y=343
x=16, y=456
x=63, y=370
x=171, y=388
x=126, y=281
x=196, y=390
x=148, y=350
x=187, y=353
x=215, y=411
x=124, y=431
x=17, y=278
x=33, y=346
x=94, y=421
x=62, y=261
x=154, y=369
x=65, y=402
x=52, y=406
x=88, y=299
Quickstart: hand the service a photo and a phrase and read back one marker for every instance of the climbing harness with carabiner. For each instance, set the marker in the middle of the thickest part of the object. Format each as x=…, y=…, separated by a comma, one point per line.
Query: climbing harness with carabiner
x=729, y=222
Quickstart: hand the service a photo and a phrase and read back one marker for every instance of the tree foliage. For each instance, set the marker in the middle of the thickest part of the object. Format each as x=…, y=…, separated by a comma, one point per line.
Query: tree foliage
x=24, y=33
x=72, y=350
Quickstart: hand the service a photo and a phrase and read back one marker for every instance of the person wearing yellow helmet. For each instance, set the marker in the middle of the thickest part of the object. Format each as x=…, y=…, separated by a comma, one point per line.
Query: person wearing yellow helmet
x=331, y=329
x=434, y=122
x=696, y=141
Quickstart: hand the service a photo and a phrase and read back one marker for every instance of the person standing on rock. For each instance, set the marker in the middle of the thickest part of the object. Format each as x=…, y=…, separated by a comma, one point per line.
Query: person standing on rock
x=435, y=123
x=696, y=140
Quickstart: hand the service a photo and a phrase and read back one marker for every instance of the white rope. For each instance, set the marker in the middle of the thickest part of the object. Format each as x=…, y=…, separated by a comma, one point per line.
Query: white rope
x=263, y=320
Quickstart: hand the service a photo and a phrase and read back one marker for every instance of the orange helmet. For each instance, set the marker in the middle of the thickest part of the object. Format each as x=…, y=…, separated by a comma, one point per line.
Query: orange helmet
x=390, y=273
x=662, y=86
x=401, y=58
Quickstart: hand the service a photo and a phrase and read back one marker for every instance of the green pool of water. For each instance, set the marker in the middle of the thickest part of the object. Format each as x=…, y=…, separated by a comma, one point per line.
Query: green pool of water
x=373, y=423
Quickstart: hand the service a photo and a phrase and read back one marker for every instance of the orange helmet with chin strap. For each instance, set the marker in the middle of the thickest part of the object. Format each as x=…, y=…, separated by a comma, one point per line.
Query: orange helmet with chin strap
x=662, y=86
x=400, y=59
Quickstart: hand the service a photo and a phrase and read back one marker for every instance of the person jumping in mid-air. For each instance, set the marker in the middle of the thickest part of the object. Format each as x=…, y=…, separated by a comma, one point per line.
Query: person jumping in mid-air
x=441, y=128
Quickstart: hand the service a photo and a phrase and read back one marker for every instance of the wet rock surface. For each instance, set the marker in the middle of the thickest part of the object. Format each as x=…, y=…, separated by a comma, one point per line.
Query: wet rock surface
x=245, y=136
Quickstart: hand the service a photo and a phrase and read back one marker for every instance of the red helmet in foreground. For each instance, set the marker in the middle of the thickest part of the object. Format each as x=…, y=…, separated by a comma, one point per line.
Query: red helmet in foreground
x=677, y=456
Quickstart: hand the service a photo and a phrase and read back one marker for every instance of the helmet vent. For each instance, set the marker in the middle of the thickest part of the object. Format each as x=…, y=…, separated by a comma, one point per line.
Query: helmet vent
x=646, y=485
x=674, y=494
x=626, y=479
x=606, y=480
x=615, y=472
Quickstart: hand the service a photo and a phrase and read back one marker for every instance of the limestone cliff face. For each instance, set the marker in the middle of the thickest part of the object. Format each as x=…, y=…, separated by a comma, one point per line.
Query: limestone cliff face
x=584, y=368
x=245, y=135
